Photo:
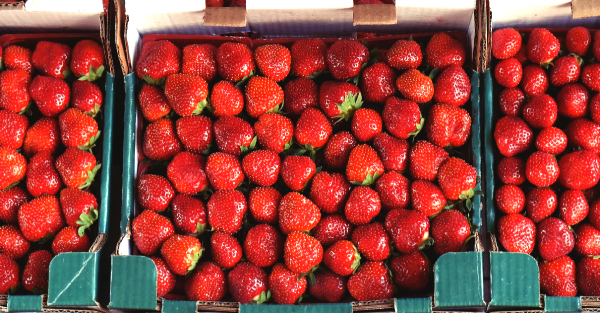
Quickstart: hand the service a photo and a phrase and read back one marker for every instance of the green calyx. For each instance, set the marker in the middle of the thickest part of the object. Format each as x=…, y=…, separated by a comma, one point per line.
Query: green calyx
x=419, y=127
x=242, y=83
x=578, y=58
x=356, y=262
x=310, y=275
x=1, y=68
x=151, y=81
x=86, y=220
x=289, y=144
x=466, y=196
x=426, y=243
x=197, y=257
x=27, y=109
x=200, y=107
x=277, y=109
x=66, y=73
x=200, y=228
x=91, y=175
x=351, y=103
x=245, y=149
x=94, y=111
x=90, y=144
x=434, y=73
x=371, y=179
x=312, y=151
x=262, y=298
x=93, y=74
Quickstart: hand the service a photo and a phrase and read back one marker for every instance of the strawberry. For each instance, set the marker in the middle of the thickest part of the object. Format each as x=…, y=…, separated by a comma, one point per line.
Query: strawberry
x=14, y=90
x=308, y=56
x=13, y=127
x=449, y=230
x=224, y=171
x=510, y=199
x=274, y=131
x=273, y=60
x=426, y=197
x=453, y=86
x=394, y=190
x=302, y=252
x=329, y=191
x=542, y=169
x=297, y=213
x=158, y=60
x=362, y=206
x=415, y=86
x=189, y=215
x=584, y=133
x=338, y=149
x=78, y=129
x=331, y=229
x=40, y=217
x=152, y=100
x=226, y=209
x=588, y=279
x=263, y=245
x=534, y=81
x=372, y=241
x=516, y=233
x=263, y=203
x=181, y=253
x=426, y=159
x=234, y=61
x=404, y=55
x=44, y=135
x=69, y=240
x=542, y=46
x=589, y=76
x=578, y=41
x=366, y=124
x=587, y=240
x=87, y=62
x=444, y=50
x=505, y=43
x=195, y=132
x=10, y=201
x=392, y=152
x=312, y=129
x=226, y=99
x=88, y=98
x=557, y=278
x=540, y=112
x=199, y=60
x=225, y=250
x=573, y=207
x=299, y=94
x=512, y=136
x=165, y=279
x=262, y=95
x=18, y=58
x=262, y=167
x=286, y=286
x=411, y=271
x=206, y=283
x=9, y=270
x=345, y=58
x=511, y=101
x=160, y=140
x=594, y=214
x=596, y=46
x=52, y=59
x=154, y=192
x=12, y=242
x=13, y=167
x=541, y=203
x=579, y=170
x=150, y=231
x=566, y=70
x=508, y=73
x=36, y=272
x=572, y=101
x=342, y=258
x=457, y=179
x=186, y=94
x=79, y=207
x=296, y=171
x=377, y=82
x=339, y=99
x=551, y=140
x=186, y=173
x=248, y=283
x=511, y=170
x=328, y=287
x=372, y=281
x=554, y=239
x=233, y=135
x=448, y=125
x=364, y=166
x=408, y=229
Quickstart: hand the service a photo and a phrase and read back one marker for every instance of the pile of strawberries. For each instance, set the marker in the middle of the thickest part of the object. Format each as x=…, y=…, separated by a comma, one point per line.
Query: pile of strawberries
x=549, y=137
x=47, y=130
x=284, y=175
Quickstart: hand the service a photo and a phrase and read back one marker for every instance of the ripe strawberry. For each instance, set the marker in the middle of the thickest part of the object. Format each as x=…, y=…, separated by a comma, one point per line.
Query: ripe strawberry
x=12, y=129
x=18, y=58
x=372, y=281
x=181, y=253
x=411, y=271
x=596, y=47
x=206, y=283
x=186, y=173
x=10, y=201
x=566, y=70
x=234, y=61
x=154, y=192
x=345, y=58
x=339, y=99
x=589, y=76
x=408, y=229
x=517, y=233
x=42, y=177
x=69, y=240
x=511, y=170
x=226, y=209
x=88, y=98
x=224, y=171
x=273, y=60
x=505, y=43
x=330, y=191
x=160, y=140
x=449, y=230
x=510, y=199
x=444, y=50
x=36, y=272
x=302, y=252
x=426, y=159
x=393, y=152
x=195, y=132
x=542, y=169
x=158, y=60
x=508, y=73
x=297, y=213
x=299, y=94
x=551, y=140
x=362, y=206
x=262, y=95
x=225, y=250
x=554, y=239
x=579, y=170
x=308, y=56
x=512, y=136
x=453, y=86
x=165, y=279
x=338, y=149
x=9, y=270
x=87, y=62
x=377, y=82
x=152, y=100
x=44, y=135
x=534, y=81
x=542, y=46
x=541, y=203
x=511, y=101
x=572, y=101
x=372, y=241
x=312, y=129
x=366, y=124
x=404, y=55
x=448, y=125
x=263, y=245
x=12, y=242
x=394, y=190
x=584, y=133
x=328, y=287
x=415, y=86
x=51, y=95
x=364, y=166
x=13, y=167
x=233, y=135
x=79, y=207
x=426, y=197
x=248, y=283
x=573, y=207
x=186, y=94
x=587, y=240
x=200, y=60
x=262, y=167
x=457, y=179
x=557, y=278
x=40, y=217
x=540, y=112
x=331, y=229
x=594, y=214
x=296, y=171
x=588, y=279
x=578, y=41
x=52, y=59
x=263, y=203
x=342, y=258
x=226, y=99
x=189, y=215
x=150, y=230
x=14, y=90
x=274, y=131
x=78, y=129
x=286, y=286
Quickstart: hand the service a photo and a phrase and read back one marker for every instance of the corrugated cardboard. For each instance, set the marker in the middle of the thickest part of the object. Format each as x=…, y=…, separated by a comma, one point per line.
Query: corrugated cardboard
x=585, y=8
x=374, y=14
x=229, y=17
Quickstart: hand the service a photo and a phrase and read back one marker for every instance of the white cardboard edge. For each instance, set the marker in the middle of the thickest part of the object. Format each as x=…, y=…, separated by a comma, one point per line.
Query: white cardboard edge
x=16, y=21
x=537, y=13
x=148, y=7
x=76, y=6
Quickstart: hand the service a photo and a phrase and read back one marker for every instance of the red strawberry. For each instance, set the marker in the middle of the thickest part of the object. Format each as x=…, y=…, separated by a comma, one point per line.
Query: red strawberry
x=542, y=46
x=449, y=230
x=78, y=129
x=263, y=245
x=415, y=86
x=596, y=47
x=339, y=99
x=299, y=94
x=312, y=129
x=328, y=287
x=448, y=125
x=13, y=167
x=338, y=149
x=42, y=177
x=12, y=242
x=88, y=98
x=372, y=281
x=10, y=201
x=235, y=61
x=572, y=101
x=443, y=50
x=195, y=132
x=345, y=58
x=13, y=127
x=372, y=241
x=52, y=59
x=51, y=95
x=364, y=166
x=342, y=258
x=588, y=279
x=154, y=192
x=508, y=73
x=10, y=274
x=540, y=112
x=274, y=132
x=511, y=170
x=393, y=152
x=394, y=191
x=273, y=60
x=181, y=253
x=153, y=102
x=14, y=90
x=522, y=54
x=297, y=213
x=331, y=229
x=36, y=272
x=206, y=283
x=557, y=278
x=594, y=214
x=366, y=124
x=578, y=41
x=79, y=207
x=510, y=199
x=411, y=271
x=408, y=229
x=329, y=191
x=189, y=215
x=534, y=81
x=248, y=283
x=44, y=135
x=542, y=169
x=404, y=55
x=286, y=286
x=262, y=95
x=150, y=230
x=427, y=197
x=457, y=179
x=377, y=82
x=262, y=167
x=453, y=86
x=426, y=159
x=226, y=99
x=165, y=279
x=512, y=136
x=160, y=140
x=68, y=240
x=296, y=171
x=186, y=173
x=200, y=60
x=584, y=133
x=302, y=252
x=554, y=238
x=573, y=207
x=40, y=217
x=579, y=170
x=186, y=94
x=226, y=209
x=158, y=60
x=18, y=58
x=233, y=135
x=88, y=60
x=587, y=240
x=224, y=171
x=566, y=70
x=263, y=203
x=541, y=203
x=362, y=206
x=225, y=250
x=505, y=43
x=516, y=233
x=551, y=140
x=511, y=101
x=308, y=56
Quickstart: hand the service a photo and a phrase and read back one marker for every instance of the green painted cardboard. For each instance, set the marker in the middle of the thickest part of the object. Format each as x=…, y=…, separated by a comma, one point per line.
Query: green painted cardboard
x=459, y=280
x=562, y=304
x=488, y=149
x=514, y=280
x=132, y=283
x=476, y=145
x=25, y=303
x=412, y=305
x=309, y=308
x=128, y=152
x=169, y=306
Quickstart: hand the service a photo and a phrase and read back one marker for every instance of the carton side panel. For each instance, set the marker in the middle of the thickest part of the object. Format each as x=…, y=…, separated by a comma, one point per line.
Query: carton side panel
x=514, y=280
x=73, y=279
x=459, y=288
x=133, y=283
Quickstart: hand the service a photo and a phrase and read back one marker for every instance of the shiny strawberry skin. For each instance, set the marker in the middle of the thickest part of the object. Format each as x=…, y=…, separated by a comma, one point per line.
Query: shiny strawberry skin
x=226, y=209
x=40, y=217
x=150, y=230
x=195, y=132
x=206, y=283
x=155, y=192
x=566, y=70
x=312, y=128
x=299, y=94
x=234, y=61
x=512, y=136
x=308, y=56
x=588, y=280
x=331, y=229
x=363, y=161
x=332, y=94
x=12, y=242
x=415, y=86
x=273, y=60
x=404, y=55
x=86, y=54
x=153, y=103
x=51, y=95
x=578, y=41
x=408, y=229
x=262, y=167
x=274, y=131
x=551, y=140
x=572, y=101
x=345, y=58
x=165, y=279
x=508, y=73
x=330, y=191
x=14, y=90
x=589, y=76
x=510, y=199
x=180, y=253
x=540, y=112
x=297, y=213
x=186, y=173
x=68, y=240
x=10, y=273
x=13, y=128
x=247, y=282
x=88, y=97
x=394, y=190
x=579, y=170
x=372, y=281
x=401, y=117
x=285, y=285
x=584, y=133
x=302, y=252
x=594, y=214
x=13, y=167
x=231, y=133
x=160, y=140
x=554, y=239
x=449, y=230
x=18, y=58
x=189, y=215
x=338, y=149
x=448, y=125
x=393, y=152
x=226, y=99
x=224, y=171
x=75, y=202
x=557, y=278
x=44, y=135
x=225, y=249
x=262, y=95
x=505, y=43
x=426, y=159
x=296, y=171
x=542, y=169
x=511, y=101
x=186, y=94
x=372, y=241
x=52, y=59
x=10, y=201
x=158, y=60
x=517, y=233
x=443, y=50
x=329, y=287
x=456, y=178
x=37, y=271
x=427, y=197
x=366, y=124
x=452, y=86
x=362, y=206
x=342, y=258
x=410, y=272
x=263, y=203
x=199, y=60
x=263, y=245
x=77, y=129
x=378, y=83
x=542, y=46
x=534, y=81
x=573, y=207
x=541, y=203
x=511, y=170
x=587, y=240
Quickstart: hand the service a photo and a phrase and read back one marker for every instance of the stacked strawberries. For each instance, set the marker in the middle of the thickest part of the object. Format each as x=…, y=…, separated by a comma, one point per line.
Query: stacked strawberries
x=283, y=169
x=549, y=139
x=46, y=167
